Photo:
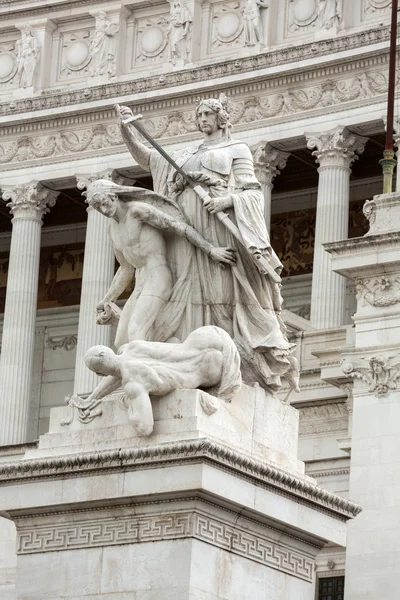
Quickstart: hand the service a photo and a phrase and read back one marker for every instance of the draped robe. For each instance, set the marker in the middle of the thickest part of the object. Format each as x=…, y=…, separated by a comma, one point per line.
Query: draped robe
x=238, y=299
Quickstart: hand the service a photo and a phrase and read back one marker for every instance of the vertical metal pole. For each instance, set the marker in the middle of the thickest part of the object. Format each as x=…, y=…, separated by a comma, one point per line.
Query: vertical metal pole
x=388, y=162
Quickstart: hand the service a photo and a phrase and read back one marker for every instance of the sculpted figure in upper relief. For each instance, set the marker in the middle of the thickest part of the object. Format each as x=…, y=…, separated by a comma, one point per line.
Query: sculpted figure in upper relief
x=207, y=359
x=179, y=31
x=253, y=28
x=103, y=46
x=330, y=13
x=239, y=299
x=138, y=220
x=27, y=56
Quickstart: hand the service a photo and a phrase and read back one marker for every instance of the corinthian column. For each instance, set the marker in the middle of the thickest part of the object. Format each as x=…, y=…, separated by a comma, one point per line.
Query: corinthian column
x=335, y=152
x=98, y=271
x=267, y=164
x=28, y=204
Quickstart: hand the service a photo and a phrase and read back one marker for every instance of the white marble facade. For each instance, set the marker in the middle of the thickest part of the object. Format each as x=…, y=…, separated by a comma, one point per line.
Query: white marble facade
x=293, y=69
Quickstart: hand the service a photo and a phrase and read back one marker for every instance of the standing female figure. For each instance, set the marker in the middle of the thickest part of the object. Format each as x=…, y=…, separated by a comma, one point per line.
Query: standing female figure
x=239, y=299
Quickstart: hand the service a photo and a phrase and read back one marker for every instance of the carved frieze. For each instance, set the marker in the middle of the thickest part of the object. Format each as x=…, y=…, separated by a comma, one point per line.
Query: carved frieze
x=61, y=143
x=66, y=342
x=227, y=25
x=381, y=292
x=323, y=418
x=380, y=374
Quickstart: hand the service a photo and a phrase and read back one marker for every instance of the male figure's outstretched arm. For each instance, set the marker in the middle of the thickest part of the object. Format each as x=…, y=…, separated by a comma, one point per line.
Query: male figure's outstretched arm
x=160, y=220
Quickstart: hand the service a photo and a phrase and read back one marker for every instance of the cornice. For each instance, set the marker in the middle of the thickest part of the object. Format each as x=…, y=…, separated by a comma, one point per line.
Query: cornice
x=288, y=98
x=279, y=481
x=205, y=73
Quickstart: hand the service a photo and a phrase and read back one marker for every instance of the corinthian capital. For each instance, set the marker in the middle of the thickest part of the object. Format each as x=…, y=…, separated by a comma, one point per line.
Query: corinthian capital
x=268, y=161
x=336, y=148
x=29, y=201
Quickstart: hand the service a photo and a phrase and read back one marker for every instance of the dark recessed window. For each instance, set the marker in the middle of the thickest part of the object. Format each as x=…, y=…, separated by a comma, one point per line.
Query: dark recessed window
x=331, y=588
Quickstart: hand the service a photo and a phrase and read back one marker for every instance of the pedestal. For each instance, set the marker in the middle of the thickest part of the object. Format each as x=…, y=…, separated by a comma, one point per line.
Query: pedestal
x=373, y=263
x=209, y=507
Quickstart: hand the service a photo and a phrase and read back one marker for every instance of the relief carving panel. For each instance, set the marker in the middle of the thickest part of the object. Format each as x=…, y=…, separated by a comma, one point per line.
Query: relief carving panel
x=227, y=25
x=151, y=40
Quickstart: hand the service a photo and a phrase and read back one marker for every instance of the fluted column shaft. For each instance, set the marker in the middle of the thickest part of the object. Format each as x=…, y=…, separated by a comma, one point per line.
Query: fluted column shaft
x=28, y=204
x=267, y=164
x=98, y=271
x=335, y=152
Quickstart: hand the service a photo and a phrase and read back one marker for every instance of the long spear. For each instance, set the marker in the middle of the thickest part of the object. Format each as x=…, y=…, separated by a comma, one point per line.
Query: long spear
x=388, y=161
x=261, y=262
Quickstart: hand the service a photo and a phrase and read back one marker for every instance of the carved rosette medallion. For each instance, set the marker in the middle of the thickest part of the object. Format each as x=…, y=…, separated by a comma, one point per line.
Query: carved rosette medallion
x=75, y=53
x=376, y=6
x=302, y=15
x=8, y=63
x=29, y=201
x=152, y=40
x=227, y=25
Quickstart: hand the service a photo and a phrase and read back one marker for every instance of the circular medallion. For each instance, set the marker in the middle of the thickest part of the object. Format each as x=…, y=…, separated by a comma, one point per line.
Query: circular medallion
x=77, y=55
x=153, y=41
x=229, y=26
x=8, y=66
x=304, y=11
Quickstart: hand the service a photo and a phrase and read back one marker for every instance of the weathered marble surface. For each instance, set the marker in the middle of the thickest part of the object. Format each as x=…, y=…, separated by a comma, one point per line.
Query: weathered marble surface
x=254, y=422
x=207, y=359
x=240, y=298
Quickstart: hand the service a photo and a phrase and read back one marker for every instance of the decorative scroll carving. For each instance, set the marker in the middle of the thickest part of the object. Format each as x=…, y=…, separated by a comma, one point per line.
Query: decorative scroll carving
x=379, y=373
x=268, y=161
x=67, y=342
x=179, y=32
x=76, y=53
x=103, y=46
x=227, y=25
x=337, y=147
x=61, y=143
x=323, y=418
x=381, y=292
x=152, y=39
x=30, y=201
x=28, y=52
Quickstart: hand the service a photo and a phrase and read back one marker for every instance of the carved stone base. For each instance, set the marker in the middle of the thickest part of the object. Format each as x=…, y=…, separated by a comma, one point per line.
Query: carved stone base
x=254, y=422
x=197, y=511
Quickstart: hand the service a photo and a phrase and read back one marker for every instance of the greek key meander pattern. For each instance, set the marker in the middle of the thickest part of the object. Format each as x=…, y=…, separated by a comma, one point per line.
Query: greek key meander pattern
x=138, y=529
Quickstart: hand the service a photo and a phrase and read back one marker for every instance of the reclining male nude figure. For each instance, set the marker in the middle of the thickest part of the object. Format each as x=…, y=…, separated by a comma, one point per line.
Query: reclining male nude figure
x=138, y=219
x=207, y=359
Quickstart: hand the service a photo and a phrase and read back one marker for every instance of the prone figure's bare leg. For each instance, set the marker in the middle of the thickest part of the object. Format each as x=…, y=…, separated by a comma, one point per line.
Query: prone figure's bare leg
x=140, y=411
